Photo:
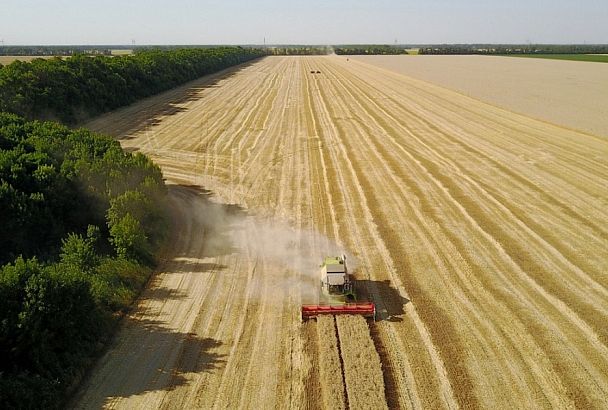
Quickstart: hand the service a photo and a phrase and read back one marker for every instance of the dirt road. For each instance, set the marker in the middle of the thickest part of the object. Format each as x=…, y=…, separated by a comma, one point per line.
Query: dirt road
x=481, y=235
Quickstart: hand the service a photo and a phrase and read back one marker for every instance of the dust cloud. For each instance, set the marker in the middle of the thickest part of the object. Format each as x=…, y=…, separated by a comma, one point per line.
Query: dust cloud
x=292, y=256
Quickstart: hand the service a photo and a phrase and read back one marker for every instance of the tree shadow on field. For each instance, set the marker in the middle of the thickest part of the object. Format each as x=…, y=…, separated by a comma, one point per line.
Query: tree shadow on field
x=162, y=293
x=390, y=305
x=147, y=353
x=170, y=102
x=145, y=356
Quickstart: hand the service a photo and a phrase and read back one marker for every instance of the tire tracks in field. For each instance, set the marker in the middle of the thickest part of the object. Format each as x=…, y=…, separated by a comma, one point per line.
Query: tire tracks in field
x=319, y=115
x=514, y=253
x=431, y=98
x=460, y=171
x=463, y=394
x=431, y=112
x=546, y=198
x=491, y=223
x=341, y=156
x=355, y=87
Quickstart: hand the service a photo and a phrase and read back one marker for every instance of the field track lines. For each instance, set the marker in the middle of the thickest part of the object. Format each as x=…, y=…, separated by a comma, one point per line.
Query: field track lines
x=357, y=236
x=445, y=386
x=599, y=289
x=413, y=118
x=480, y=234
x=434, y=117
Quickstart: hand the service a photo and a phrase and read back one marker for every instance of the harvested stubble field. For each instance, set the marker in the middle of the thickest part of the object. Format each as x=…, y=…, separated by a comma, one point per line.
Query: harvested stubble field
x=481, y=234
x=363, y=372
x=330, y=367
x=569, y=93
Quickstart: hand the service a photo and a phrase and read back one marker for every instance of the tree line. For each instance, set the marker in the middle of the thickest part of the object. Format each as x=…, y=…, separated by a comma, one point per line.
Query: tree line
x=55, y=50
x=81, y=220
x=369, y=49
x=340, y=50
x=298, y=50
x=73, y=89
x=493, y=49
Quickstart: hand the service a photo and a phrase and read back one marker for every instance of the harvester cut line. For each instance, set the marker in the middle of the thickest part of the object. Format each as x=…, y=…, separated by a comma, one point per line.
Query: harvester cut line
x=339, y=347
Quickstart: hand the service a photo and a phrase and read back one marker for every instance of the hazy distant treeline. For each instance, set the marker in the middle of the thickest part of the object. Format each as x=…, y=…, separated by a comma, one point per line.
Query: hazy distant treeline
x=81, y=86
x=298, y=50
x=369, y=49
x=81, y=220
x=54, y=50
x=40, y=50
x=514, y=49
x=342, y=50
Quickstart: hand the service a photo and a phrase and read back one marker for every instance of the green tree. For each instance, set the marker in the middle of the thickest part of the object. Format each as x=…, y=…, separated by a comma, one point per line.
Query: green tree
x=59, y=321
x=79, y=252
x=56, y=186
x=129, y=239
x=83, y=85
x=13, y=282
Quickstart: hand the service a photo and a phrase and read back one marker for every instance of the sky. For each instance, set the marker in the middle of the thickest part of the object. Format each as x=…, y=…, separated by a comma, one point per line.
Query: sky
x=62, y=22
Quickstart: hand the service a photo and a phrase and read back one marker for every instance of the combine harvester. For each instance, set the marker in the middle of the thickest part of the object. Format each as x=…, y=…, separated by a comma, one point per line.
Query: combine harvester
x=338, y=289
